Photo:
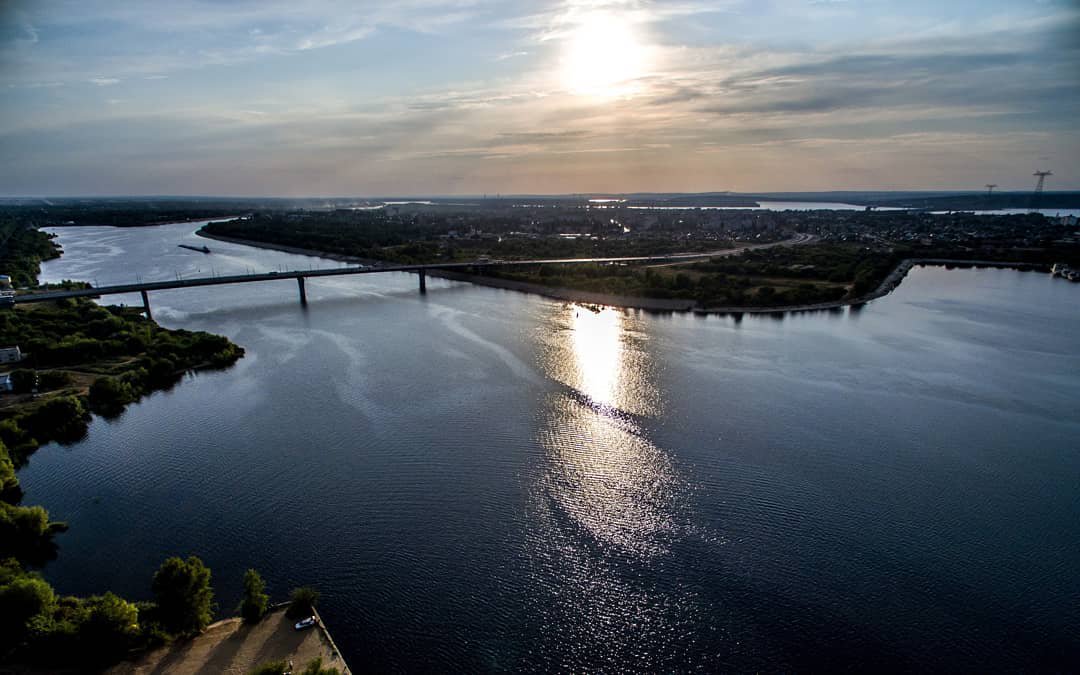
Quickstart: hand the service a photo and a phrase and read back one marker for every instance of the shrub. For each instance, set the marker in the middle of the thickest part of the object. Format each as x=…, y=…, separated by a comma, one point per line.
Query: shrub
x=315, y=667
x=253, y=606
x=109, y=394
x=301, y=601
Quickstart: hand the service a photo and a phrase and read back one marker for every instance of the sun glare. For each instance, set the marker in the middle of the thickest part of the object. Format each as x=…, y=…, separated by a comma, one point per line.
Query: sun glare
x=602, y=56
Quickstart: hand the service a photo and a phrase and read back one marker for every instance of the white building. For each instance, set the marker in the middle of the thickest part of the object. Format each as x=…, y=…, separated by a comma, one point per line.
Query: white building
x=10, y=355
x=5, y=383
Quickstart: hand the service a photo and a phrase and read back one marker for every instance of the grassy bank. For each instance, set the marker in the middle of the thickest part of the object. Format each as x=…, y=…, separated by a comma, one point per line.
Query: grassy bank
x=79, y=359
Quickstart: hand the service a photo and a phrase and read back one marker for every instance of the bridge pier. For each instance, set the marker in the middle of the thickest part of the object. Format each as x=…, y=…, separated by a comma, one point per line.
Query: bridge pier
x=423, y=282
x=303, y=293
x=146, y=305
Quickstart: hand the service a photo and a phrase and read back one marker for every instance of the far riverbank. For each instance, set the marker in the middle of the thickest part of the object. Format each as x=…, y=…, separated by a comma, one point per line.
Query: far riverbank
x=650, y=304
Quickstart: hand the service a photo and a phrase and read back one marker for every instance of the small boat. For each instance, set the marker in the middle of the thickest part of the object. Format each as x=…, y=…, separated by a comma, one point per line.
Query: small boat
x=200, y=249
x=305, y=623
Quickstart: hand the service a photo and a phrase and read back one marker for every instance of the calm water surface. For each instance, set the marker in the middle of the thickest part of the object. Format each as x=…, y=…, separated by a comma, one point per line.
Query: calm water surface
x=480, y=480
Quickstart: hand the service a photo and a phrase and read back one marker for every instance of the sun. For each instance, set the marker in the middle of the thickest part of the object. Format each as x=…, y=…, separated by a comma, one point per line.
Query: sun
x=603, y=56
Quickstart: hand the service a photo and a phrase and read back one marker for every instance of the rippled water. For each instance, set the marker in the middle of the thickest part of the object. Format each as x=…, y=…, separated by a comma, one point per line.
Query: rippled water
x=483, y=480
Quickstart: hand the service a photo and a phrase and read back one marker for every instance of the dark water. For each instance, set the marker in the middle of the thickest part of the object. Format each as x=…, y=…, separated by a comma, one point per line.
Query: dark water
x=480, y=480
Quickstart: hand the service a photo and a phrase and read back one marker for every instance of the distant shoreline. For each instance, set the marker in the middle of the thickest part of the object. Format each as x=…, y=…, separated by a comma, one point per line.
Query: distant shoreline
x=649, y=304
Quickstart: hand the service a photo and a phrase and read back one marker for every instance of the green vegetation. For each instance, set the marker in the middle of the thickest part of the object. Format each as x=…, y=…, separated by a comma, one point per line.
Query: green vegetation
x=81, y=357
x=855, y=254
x=255, y=601
x=22, y=248
x=26, y=533
x=301, y=601
x=314, y=667
x=779, y=276
x=432, y=237
x=184, y=596
x=41, y=628
x=120, y=213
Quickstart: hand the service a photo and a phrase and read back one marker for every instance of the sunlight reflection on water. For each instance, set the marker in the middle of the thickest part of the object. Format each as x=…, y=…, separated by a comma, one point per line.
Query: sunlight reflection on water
x=605, y=475
x=610, y=500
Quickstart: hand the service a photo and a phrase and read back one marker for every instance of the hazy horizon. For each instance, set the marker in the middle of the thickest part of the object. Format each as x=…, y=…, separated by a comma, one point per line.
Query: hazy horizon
x=471, y=97
x=538, y=195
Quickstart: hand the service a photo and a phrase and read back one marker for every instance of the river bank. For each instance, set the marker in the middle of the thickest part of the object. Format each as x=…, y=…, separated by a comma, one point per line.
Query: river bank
x=234, y=646
x=80, y=358
x=645, y=303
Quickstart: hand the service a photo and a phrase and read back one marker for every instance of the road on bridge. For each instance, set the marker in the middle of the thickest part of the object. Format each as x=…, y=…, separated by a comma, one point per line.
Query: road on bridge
x=301, y=275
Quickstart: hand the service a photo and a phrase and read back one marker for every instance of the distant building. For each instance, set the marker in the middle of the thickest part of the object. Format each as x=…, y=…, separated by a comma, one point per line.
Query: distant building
x=5, y=281
x=5, y=383
x=10, y=355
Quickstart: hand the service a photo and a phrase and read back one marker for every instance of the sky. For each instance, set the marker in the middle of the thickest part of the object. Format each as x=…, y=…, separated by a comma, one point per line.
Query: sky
x=443, y=97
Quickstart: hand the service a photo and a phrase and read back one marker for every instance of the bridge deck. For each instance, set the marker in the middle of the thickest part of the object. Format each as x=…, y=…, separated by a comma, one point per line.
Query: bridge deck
x=337, y=271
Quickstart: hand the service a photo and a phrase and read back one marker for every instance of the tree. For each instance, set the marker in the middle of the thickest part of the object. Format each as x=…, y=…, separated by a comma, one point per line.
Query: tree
x=27, y=533
x=9, y=482
x=270, y=668
x=255, y=600
x=184, y=596
x=23, y=598
x=301, y=601
x=110, y=628
x=110, y=395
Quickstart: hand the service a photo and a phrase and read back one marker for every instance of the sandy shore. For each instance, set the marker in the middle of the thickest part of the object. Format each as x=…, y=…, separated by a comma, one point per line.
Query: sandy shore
x=650, y=304
x=231, y=646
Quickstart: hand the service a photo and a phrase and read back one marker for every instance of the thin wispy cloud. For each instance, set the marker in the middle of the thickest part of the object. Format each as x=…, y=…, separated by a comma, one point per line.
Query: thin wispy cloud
x=485, y=96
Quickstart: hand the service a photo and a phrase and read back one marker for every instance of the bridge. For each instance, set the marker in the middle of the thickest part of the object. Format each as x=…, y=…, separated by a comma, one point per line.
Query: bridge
x=144, y=288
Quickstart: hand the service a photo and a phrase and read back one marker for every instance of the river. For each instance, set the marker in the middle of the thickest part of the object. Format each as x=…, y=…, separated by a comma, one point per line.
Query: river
x=481, y=480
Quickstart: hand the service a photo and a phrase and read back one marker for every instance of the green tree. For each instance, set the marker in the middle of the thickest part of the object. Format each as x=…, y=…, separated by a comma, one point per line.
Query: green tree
x=23, y=598
x=184, y=596
x=9, y=482
x=301, y=601
x=109, y=394
x=110, y=627
x=27, y=533
x=255, y=600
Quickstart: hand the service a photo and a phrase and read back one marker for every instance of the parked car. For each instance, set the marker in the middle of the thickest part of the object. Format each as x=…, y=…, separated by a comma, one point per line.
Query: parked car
x=305, y=623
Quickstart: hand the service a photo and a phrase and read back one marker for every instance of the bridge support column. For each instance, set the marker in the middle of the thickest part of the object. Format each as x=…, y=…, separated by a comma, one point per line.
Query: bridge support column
x=146, y=305
x=303, y=293
x=423, y=282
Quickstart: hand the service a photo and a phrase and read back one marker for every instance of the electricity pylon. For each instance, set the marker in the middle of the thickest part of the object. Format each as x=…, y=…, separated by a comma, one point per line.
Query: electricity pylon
x=1041, y=175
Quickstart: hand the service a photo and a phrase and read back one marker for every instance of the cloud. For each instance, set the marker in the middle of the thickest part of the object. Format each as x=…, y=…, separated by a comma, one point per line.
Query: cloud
x=364, y=97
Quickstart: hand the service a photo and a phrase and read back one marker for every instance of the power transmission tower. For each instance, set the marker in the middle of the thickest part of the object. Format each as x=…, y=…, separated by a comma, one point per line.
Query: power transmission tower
x=1041, y=175
x=990, y=189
